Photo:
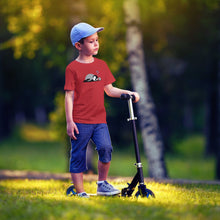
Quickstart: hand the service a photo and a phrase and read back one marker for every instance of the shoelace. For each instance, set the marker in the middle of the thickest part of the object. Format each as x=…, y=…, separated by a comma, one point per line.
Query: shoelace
x=107, y=186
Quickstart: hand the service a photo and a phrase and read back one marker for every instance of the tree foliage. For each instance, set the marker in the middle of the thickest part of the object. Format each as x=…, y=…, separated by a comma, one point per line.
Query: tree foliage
x=39, y=25
x=179, y=43
x=179, y=39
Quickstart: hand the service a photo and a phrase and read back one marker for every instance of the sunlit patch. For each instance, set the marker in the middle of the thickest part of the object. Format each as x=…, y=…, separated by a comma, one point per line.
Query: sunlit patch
x=25, y=198
x=33, y=133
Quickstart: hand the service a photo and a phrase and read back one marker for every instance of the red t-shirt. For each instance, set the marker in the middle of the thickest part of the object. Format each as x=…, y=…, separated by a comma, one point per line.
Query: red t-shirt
x=87, y=80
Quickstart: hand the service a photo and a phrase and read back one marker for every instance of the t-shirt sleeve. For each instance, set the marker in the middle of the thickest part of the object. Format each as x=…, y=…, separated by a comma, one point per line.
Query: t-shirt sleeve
x=109, y=78
x=69, y=80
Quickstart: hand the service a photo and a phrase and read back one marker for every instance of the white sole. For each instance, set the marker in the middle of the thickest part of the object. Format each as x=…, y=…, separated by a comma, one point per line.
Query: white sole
x=108, y=193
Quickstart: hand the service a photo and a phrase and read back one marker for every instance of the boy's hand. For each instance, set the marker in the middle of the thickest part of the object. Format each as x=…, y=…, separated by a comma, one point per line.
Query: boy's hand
x=72, y=130
x=137, y=96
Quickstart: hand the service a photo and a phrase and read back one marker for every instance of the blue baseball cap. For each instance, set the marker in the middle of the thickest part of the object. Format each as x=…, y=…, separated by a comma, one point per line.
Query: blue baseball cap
x=82, y=30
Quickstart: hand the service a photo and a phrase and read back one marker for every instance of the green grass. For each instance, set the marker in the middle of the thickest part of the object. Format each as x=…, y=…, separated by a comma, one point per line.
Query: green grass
x=34, y=148
x=50, y=157
x=46, y=199
x=24, y=155
x=188, y=160
x=35, y=199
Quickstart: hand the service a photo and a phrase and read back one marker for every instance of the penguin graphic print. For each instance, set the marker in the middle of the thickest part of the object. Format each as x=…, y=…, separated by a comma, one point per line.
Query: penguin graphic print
x=92, y=77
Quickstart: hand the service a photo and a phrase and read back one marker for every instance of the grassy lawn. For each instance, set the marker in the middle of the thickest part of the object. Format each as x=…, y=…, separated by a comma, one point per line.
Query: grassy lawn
x=37, y=199
x=25, y=155
x=34, y=148
x=50, y=157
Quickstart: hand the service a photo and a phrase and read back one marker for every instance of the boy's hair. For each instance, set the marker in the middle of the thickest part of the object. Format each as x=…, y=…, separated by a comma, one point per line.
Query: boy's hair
x=81, y=41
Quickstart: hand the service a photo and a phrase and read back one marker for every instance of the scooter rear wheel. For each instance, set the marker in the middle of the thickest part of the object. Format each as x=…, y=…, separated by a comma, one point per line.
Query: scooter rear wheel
x=70, y=191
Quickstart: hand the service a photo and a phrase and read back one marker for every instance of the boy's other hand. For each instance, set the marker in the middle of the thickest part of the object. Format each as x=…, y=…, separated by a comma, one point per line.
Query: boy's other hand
x=72, y=130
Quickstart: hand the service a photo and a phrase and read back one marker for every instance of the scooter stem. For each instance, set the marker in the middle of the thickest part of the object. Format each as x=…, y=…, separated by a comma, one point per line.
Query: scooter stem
x=138, y=178
x=131, y=111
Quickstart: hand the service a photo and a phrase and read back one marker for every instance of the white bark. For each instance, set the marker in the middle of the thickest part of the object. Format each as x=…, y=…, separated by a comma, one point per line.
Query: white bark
x=152, y=140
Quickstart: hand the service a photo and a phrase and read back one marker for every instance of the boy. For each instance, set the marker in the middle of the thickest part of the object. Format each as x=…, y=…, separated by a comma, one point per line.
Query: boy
x=86, y=79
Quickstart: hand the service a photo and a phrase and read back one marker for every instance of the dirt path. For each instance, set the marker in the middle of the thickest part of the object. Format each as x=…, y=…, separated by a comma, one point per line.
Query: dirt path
x=17, y=174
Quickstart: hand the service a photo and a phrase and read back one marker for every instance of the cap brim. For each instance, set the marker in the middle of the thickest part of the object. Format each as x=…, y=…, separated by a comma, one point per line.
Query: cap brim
x=95, y=30
x=100, y=29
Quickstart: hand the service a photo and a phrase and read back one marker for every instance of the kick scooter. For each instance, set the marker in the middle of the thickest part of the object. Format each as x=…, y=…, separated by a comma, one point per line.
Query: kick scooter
x=138, y=178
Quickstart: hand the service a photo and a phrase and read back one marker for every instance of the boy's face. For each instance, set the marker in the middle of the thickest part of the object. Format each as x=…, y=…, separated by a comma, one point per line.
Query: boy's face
x=90, y=46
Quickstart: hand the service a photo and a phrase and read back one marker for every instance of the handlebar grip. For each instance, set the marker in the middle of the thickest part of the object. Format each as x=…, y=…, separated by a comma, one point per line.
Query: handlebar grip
x=127, y=97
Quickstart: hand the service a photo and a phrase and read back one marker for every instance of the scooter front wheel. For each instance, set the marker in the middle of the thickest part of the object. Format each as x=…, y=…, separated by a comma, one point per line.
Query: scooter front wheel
x=144, y=194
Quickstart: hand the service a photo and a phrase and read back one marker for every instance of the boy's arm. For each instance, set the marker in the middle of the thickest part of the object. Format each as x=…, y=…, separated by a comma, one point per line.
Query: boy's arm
x=71, y=126
x=112, y=91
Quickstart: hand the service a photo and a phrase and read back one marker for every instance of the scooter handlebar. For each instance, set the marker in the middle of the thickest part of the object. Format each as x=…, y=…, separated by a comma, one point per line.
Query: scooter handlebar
x=127, y=97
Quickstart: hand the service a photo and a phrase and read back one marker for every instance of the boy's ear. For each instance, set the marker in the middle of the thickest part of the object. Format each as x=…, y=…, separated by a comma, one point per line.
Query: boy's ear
x=77, y=46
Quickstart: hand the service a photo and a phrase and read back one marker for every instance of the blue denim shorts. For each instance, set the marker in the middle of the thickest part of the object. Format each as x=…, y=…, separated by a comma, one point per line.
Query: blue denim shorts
x=99, y=134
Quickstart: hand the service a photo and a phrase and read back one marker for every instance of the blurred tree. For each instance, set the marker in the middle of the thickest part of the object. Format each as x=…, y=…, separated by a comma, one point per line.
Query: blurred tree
x=40, y=25
x=36, y=30
x=178, y=40
x=153, y=143
x=217, y=144
x=182, y=57
x=212, y=105
x=213, y=91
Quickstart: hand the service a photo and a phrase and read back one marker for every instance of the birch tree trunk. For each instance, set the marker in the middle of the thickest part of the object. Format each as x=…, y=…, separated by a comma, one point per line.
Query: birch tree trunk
x=153, y=144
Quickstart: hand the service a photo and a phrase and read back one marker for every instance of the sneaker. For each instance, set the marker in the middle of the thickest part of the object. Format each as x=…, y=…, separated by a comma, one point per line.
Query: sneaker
x=83, y=195
x=106, y=189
